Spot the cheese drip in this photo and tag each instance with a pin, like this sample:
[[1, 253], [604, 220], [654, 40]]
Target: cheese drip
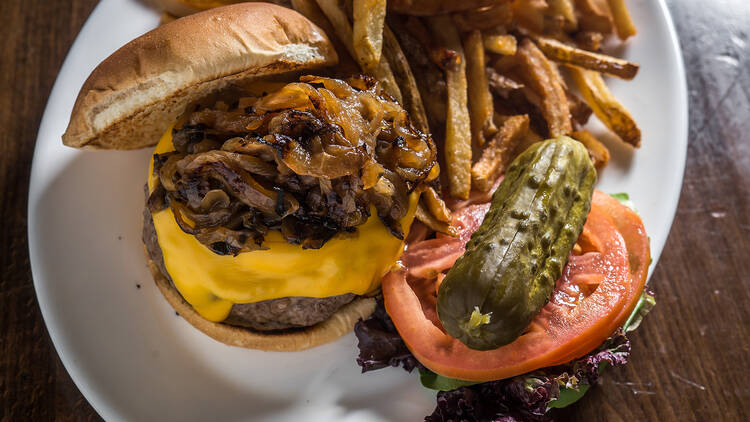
[[212, 283]]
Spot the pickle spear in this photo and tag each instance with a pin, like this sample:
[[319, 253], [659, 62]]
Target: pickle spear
[[513, 260]]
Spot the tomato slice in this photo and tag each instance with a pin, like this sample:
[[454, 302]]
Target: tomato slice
[[593, 297], [630, 226]]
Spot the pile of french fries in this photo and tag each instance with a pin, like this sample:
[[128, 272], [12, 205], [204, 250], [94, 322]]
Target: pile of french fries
[[487, 78]]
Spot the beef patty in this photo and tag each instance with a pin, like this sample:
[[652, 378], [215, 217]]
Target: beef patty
[[275, 314]]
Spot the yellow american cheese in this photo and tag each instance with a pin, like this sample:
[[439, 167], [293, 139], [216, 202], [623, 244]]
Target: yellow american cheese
[[212, 283]]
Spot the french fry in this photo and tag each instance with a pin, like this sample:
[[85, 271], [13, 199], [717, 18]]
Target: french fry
[[430, 79], [498, 152], [501, 84], [554, 26], [594, 16], [505, 64], [423, 214], [564, 53], [334, 11], [369, 17], [501, 44], [412, 100], [310, 10], [566, 9], [439, 54], [530, 14], [606, 107], [589, 40], [499, 14], [530, 139], [544, 79], [166, 17], [624, 25], [597, 151], [480, 98], [435, 7], [457, 129], [580, 112], [435, 205]]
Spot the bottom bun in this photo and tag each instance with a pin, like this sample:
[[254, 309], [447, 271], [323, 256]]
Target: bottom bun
[[334, 327]]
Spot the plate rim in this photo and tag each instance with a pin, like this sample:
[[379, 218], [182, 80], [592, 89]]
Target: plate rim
[[109, 412]]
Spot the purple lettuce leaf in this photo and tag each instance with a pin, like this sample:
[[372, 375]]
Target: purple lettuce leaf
[[528, 397], [380, 345]]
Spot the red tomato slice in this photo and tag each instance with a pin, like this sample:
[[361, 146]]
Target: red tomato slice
[[630, 226], [592, 298]]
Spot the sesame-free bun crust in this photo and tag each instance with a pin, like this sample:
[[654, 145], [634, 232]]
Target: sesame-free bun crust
[[327, 331], [131, 98]]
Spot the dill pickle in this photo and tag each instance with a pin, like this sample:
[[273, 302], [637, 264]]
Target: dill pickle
[[513, 260]]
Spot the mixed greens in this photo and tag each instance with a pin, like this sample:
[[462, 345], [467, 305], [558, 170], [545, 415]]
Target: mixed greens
[[527, 397]]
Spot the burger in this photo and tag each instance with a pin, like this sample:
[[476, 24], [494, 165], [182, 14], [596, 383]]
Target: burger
[[188, 7], [275, 200]]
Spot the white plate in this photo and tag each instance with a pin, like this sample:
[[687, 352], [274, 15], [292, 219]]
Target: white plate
[[134, 359]]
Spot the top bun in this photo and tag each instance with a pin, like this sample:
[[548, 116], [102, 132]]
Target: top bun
[[133, 96]]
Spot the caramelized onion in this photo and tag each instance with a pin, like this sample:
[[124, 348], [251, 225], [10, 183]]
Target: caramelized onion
[[309, 160]]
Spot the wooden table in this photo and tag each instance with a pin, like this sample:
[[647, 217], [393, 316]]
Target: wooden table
[[691, 359]]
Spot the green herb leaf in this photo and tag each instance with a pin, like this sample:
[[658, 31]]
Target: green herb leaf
[[568, 396], [644, 306], [438, 382], [624, 199]]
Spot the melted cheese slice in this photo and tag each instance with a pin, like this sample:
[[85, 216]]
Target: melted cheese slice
[[213, 283]]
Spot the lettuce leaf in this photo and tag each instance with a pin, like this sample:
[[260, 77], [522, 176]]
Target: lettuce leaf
[[380, 345], [530, 396], [624, 199], [438, 382], [527, 397], [643, 307]]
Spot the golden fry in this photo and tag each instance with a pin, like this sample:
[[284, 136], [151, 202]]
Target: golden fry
[[369, 17], [501, 84], [501, 44], [566, 9], [412, 100], [623, 22], [606, 107], [166, 17], [435, 7], [457, 129], [435, 205], [499, 14], [480, 98], [530, 139], [334, 10], [594, 16], [423, 214], [564, 53], [598, 152], [588, 40], [310, 10], [505, 64], [544, 79], [530, 14], [499, 152], [580, 112], [384, 74], [440, 55], [430, 79]]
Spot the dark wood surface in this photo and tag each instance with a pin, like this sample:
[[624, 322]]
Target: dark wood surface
[[691, 359]]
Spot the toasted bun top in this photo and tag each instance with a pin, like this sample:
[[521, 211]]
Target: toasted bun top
[[130, 99]]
